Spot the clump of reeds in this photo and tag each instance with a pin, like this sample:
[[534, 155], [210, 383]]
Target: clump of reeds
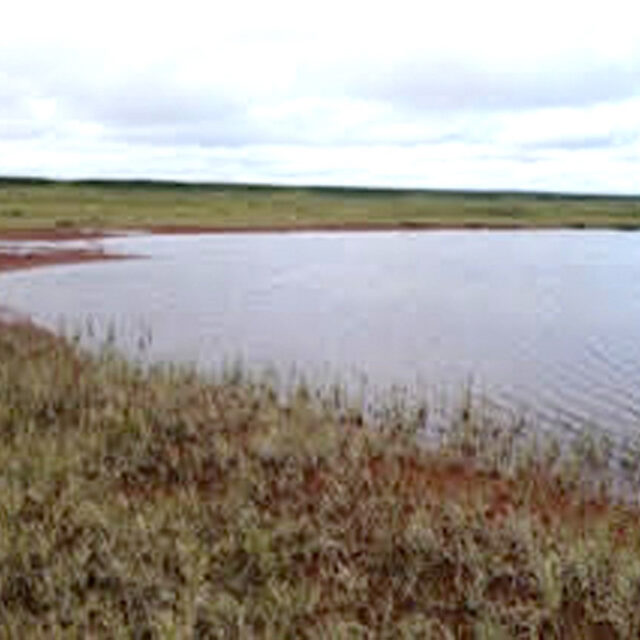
[[153, 502]]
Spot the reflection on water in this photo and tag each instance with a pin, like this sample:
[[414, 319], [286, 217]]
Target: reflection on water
[[549, 320]]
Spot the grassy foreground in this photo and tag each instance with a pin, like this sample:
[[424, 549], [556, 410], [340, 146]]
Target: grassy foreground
[[113, 205], [158, 504]]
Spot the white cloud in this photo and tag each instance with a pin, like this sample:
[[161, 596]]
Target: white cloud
[[477, 95]]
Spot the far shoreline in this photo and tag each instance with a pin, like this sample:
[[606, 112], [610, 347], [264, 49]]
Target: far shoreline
[[51, 210], [12, 260], [57, 234]]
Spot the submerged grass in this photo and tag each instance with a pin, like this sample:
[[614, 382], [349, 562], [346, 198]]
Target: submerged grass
[[64, 206], [155, 503]]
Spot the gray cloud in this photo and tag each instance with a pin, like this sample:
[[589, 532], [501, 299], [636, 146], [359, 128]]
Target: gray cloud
[[607, 141], [21, 130], [142, 100], [450, 85]]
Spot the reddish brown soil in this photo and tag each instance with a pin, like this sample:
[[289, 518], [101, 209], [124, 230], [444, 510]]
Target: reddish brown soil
[[54, 234], [302, 227], [10, 261], [51, 234], [539, 493]]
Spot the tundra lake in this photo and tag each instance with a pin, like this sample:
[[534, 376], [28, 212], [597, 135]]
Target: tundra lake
[[541, 321]]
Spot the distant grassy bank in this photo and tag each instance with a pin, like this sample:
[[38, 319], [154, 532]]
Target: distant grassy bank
[[160, 504], [33, 204]]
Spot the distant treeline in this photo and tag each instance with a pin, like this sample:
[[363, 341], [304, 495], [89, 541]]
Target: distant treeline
[[341, 191]]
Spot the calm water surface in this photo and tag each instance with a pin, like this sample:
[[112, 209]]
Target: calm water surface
[[545, 320]]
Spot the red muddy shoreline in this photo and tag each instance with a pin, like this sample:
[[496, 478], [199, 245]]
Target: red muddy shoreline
[[10, 261], [15, 256], [53, 235]]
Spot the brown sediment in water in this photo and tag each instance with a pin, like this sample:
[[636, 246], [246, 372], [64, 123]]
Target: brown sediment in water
[[18, 256], [12, 260]]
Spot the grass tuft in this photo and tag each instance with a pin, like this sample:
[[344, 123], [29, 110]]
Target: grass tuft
[[161, 504]]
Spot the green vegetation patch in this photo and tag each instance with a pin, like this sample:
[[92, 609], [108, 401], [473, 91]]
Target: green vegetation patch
[[109, 205]]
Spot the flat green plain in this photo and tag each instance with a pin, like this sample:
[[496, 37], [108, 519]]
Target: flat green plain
[[31, 204]]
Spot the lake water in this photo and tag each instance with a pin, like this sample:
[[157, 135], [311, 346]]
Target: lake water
[[544, 320]]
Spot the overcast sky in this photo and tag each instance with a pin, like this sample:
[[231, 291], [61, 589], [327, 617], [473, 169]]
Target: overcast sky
[[457, 94]]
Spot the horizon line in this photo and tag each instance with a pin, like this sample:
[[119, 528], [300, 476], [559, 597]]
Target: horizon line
[[28, 180]]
